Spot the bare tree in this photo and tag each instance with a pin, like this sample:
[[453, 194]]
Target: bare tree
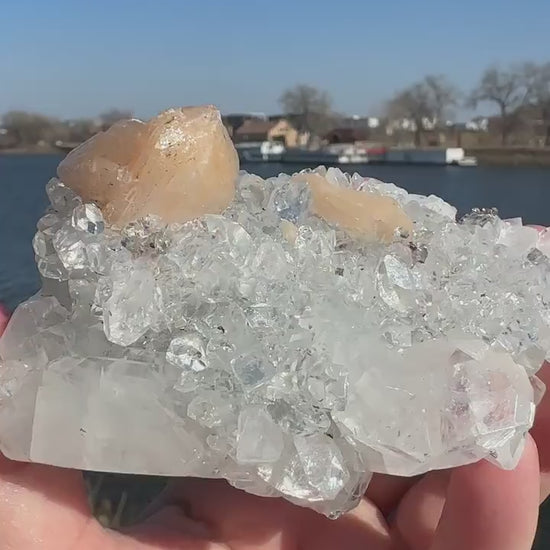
[[27, 128], [108, 118], [506, 88], [309, 107], [537, 81], [81, 129], [443, 96], [427, 102]]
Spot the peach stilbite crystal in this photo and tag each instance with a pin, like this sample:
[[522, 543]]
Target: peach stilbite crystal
[[363, 215], [179, 165]]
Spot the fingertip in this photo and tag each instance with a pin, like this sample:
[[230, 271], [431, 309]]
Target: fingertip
[[8, 466], [4, 316], [386, 491], [415, 520], [488, 508], [541, 432]]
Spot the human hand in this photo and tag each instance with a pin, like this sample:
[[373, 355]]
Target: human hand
[[473, 507]]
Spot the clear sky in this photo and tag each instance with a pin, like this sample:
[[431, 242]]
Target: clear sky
[[71, 58]]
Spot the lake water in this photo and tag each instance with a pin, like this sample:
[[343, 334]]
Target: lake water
[[523, 192], [515, 192]]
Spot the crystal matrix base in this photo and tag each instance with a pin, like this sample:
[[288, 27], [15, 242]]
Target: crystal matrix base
[[274, 349]]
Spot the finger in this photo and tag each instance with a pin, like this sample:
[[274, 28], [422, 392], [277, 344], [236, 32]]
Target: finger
[[419, 511], [247, 522], [231, 515], [42, 507], [488, 508], [167, 529], [386, 491], [46, 508], [541, 429], [4, 316], [541, 433]]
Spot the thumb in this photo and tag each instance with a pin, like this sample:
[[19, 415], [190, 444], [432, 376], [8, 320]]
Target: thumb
[[4, 316], [491, 509]]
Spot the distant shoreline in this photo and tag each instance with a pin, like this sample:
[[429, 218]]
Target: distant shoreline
[[487, 156], [31, 151], [511, 156]]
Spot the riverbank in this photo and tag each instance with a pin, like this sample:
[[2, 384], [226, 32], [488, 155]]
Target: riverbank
[[31, 150], [486, 156], [511, 156]]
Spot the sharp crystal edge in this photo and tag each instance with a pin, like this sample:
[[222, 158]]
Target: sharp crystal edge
[[291, 335]]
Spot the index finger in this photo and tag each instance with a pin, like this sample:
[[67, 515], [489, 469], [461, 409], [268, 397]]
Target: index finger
[[541, 433], [4, 316]]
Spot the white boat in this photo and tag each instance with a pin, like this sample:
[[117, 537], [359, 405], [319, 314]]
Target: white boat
[[467, 161], [261, 151], [432, 156], [349, 154], [331, 155]]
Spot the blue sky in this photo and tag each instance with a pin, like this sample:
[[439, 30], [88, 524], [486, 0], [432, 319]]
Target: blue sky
[[72, 58]]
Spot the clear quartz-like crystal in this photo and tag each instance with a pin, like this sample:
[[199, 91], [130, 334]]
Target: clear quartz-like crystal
[[291, 200], [62, 198], [259, 439], [252, 370], [70, 248], [323, 465], [187, 351], [210, 409], [321, 328], [88, 218]]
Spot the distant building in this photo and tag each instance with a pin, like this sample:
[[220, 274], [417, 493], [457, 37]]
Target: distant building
[[347, 135], [293, 118], [234, 121], [410, 125], [402, 124], [357, 121], [6, 140], [478, 124], [267, 130]]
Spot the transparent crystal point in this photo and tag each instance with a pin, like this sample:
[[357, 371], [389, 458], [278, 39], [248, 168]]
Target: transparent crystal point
[[62, 198], [188, 352], [259, 439], [88, 218]]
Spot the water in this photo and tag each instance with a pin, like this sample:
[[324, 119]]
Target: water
[[22, 202], [515, 192]]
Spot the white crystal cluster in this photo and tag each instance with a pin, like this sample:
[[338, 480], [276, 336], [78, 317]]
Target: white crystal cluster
[[270, 348]]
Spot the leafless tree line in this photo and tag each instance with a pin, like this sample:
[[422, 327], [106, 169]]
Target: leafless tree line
[[520, 94], [24, 128]]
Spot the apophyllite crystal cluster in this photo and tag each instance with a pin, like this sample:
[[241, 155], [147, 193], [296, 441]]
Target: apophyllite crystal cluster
[[292, 335]]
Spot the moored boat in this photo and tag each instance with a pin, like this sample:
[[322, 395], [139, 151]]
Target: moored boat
[[431, 156], [262, 151]]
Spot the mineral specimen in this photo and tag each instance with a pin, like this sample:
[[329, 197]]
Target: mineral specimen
[[178, 165], [294, 339]]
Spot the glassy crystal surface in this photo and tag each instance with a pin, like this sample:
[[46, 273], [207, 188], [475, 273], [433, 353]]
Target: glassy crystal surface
[[281, 351], [88, 218]]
